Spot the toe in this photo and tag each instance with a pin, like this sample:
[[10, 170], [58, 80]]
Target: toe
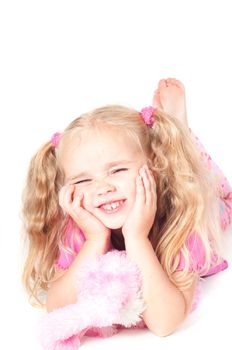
[[171, 81], [168, 81], [179, 84], [162, 83]]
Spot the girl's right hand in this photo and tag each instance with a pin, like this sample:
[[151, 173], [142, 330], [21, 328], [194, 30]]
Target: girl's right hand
[[92, 227]]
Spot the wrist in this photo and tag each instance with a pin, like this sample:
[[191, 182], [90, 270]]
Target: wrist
[[137, 234], [136, 243], [132, 239], [100, 246]]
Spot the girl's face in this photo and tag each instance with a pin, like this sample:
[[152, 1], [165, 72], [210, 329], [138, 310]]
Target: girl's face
[[103, 166]]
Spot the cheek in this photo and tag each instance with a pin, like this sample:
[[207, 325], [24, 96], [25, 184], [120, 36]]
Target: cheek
[[87, 202], [129, 188], [133, 191]]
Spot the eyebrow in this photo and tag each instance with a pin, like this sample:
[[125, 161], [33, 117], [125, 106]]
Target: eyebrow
[[107, 166]]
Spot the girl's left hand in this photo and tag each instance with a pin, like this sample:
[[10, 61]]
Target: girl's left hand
[[142, 215]]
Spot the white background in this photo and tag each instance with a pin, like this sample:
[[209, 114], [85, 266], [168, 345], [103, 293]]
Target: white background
[[62, 58]]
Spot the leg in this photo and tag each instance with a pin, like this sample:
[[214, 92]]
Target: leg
[[223, 186], [170, 97]]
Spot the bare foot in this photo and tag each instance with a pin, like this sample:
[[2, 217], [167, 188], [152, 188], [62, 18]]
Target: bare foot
[[170, 97]]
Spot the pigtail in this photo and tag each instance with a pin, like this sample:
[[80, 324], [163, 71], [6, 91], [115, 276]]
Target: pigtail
[[184, 192], [42, 219]]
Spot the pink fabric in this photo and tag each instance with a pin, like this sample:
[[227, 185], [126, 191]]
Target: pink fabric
[[224, 188], [197, 257], [97, 313], [73, 241], [194, 242]]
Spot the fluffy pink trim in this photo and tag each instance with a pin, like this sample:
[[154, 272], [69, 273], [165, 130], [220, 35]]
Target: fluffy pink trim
[[108, 294]]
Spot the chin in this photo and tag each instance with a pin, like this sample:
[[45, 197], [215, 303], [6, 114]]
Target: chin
[[113, 225], [112, 221]]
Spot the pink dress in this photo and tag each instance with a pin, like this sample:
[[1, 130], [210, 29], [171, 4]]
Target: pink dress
[[194, 243]]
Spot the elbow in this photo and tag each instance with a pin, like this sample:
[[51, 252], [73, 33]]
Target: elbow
[[162, 332], [53, 300], [164, 326], [58, 298], [62, 292], [51, 303], [49, 307], [56, 303]]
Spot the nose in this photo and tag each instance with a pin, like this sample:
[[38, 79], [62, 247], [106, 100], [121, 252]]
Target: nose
[[103, 187]]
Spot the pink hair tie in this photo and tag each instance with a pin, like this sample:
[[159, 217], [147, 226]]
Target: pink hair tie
[[55, 139], [147, 114]]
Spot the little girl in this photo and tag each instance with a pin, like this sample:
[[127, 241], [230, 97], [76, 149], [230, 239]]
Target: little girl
[[134, 181]]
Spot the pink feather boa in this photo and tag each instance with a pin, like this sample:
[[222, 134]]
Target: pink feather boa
[[109, 298]]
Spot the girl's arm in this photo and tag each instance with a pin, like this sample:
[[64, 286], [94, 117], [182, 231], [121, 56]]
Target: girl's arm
[[167, 307], [63, 290]]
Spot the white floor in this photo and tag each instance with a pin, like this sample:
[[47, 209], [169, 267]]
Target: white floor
[[209, 325]]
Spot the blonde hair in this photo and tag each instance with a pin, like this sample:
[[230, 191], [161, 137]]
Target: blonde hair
[[185, 190]]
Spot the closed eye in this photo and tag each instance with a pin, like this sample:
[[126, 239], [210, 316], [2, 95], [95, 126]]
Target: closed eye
[[113, 172], [81, 181], [118, 170]]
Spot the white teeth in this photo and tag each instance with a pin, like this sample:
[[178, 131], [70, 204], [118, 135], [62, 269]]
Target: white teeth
[[115, 205], [111, 206]]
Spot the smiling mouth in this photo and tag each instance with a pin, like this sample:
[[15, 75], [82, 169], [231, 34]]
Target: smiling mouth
[[113, 207]]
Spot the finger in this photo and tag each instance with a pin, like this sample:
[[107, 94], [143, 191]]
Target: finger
[[140, 193], [77, 202], [146, 182], [61, 196], [76, 210], [67, 197], [153, 192], [149, 185], [152, 179], [82, 216]]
